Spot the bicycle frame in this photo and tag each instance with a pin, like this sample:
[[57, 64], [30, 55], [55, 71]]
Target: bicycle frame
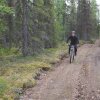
[[72, 53]]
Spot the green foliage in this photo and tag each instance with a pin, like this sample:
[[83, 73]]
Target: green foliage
[[59, 12], [42, 17], [39, 2], [7, 51], [3, 26], [94, 8], [4, 9], [3, 86], [94, 18], [59, 31]]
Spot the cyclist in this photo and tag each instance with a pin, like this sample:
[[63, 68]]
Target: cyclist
[[73, 41]]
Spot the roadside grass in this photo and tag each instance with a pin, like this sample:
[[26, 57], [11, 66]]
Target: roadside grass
[[92, 41], [17, 72]]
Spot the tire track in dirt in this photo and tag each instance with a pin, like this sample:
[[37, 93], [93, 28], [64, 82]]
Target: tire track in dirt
[[87, 88]]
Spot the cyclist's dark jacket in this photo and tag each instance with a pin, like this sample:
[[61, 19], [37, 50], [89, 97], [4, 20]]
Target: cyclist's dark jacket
[[73, 40]]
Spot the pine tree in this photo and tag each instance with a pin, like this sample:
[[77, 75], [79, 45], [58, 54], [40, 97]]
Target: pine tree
[[94, 18], [84, 19], [71, 15]]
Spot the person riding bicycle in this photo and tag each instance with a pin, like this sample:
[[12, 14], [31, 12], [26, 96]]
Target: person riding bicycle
[[73, 41]]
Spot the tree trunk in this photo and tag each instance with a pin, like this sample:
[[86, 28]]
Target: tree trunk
[[25, 32]]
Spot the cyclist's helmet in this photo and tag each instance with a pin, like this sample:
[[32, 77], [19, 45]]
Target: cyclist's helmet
[[73, 33]]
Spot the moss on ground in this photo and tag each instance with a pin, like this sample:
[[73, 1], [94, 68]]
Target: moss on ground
[[18, 73]]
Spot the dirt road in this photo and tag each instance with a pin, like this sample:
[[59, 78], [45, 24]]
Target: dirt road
[[77, 81]]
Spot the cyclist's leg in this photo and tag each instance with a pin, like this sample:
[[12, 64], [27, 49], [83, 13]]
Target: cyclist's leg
[[69, 49], [75, 50]]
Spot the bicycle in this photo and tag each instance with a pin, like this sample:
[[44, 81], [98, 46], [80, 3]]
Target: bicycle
[[72, 53]]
